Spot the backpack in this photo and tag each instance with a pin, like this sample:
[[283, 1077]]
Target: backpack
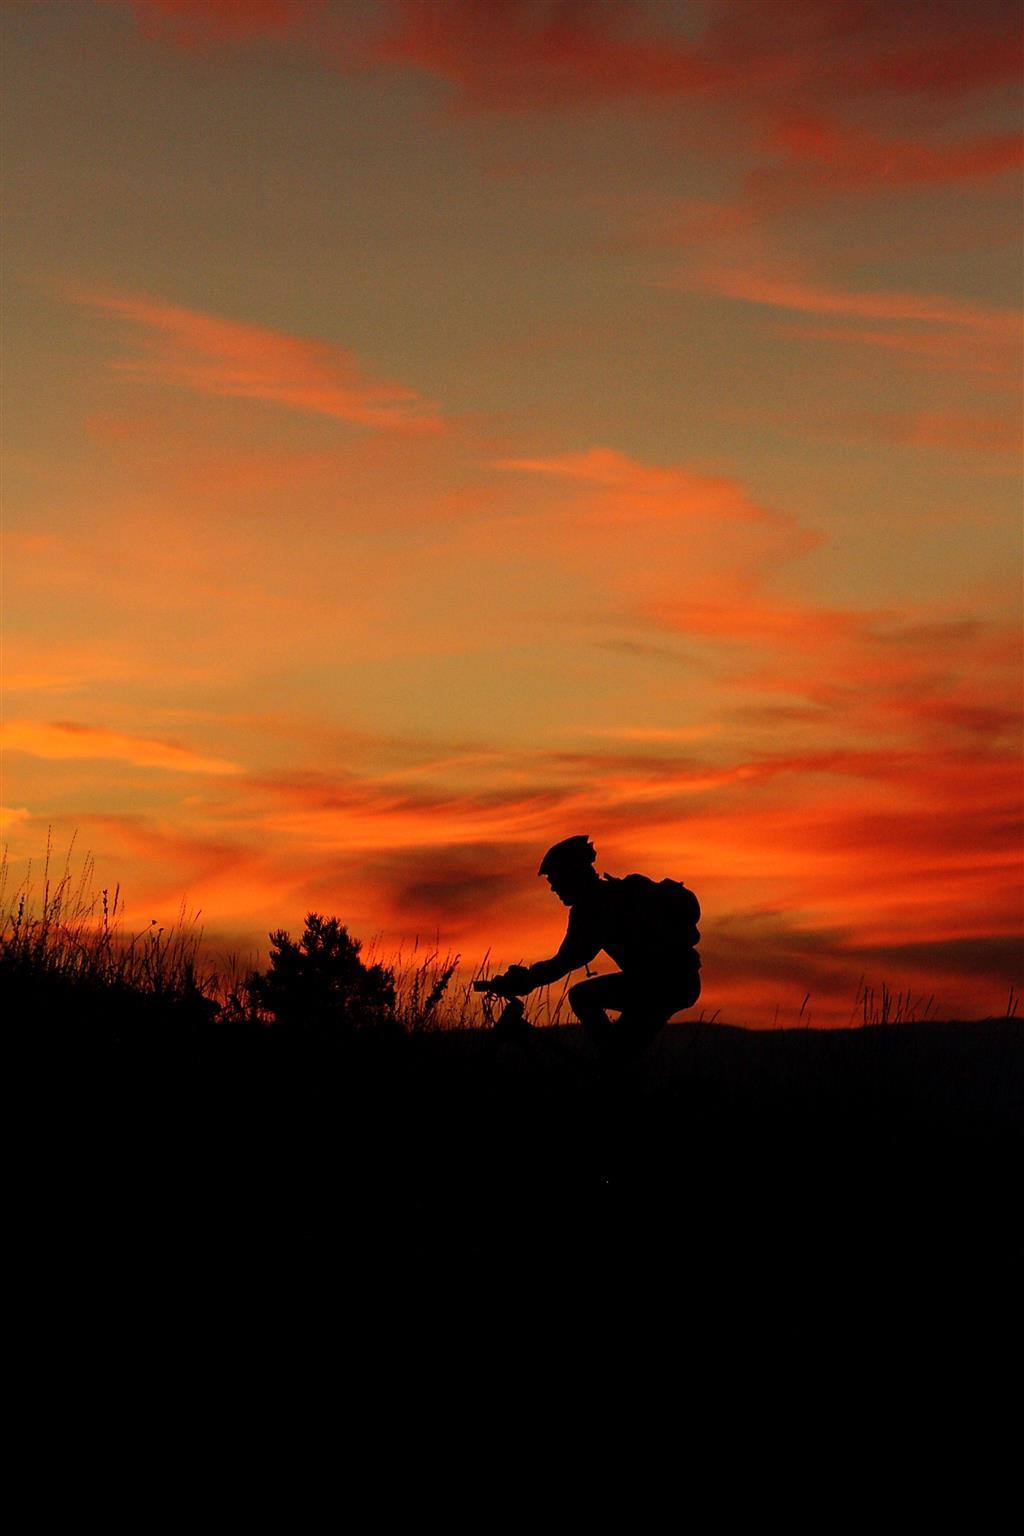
[[666, 907], [680, 907]]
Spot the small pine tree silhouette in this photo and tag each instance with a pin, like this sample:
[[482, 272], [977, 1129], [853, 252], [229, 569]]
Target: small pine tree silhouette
[[320, 983]]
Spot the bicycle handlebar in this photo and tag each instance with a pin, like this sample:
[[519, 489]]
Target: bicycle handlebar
[[492, 989]]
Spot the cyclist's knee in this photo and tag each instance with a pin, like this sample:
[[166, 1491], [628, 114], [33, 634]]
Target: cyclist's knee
[[578, 1002]]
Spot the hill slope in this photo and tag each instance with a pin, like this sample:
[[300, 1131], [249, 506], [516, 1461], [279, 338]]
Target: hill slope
[[249, 1148]]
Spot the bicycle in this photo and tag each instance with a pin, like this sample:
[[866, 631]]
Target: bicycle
[[511, 1023]]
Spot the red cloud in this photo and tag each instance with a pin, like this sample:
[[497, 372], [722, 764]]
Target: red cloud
[[776, 70], [822, 155], [780, 67], [520, 53], [213, 356], [822, 49], [527, 53], [515, 54]]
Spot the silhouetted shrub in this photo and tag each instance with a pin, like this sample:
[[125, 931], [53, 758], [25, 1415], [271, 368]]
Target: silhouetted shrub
[[320, 984]]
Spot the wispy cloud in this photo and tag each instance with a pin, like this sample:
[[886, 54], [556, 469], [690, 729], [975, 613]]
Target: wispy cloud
[[935, 677], [209, 355], [635, 489], [610, 489], [752, 286], [793, 626], [947, 333], [69, 739]]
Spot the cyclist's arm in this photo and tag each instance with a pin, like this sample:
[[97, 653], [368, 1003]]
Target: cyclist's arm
[[578, 948]]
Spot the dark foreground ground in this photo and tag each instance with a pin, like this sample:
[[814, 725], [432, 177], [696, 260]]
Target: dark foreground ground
[[724, 1153], [752, 1259]]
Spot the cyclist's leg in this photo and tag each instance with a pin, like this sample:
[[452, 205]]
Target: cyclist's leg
[[646, 1010], [634, 1030], [589, 1000]]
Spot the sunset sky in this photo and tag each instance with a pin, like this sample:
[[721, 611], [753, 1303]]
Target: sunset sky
[[437, 428]]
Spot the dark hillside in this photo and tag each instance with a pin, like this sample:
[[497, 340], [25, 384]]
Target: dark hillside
[[234, 1148]]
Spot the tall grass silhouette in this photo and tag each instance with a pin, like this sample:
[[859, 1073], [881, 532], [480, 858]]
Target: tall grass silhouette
[[69, 939], [67, 948]]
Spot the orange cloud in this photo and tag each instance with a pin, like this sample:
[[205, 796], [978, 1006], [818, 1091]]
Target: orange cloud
[[631, 490], [657, 733], [228, 358], [956, 334], [654, 526], [67, 739], [793, 627], [33, 663], [952, 680], [752, 286]]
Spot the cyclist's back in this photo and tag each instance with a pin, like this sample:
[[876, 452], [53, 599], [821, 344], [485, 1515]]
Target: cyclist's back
[[630, 919]]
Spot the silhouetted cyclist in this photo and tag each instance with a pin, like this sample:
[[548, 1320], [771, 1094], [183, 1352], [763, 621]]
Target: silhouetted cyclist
[[649, 929]]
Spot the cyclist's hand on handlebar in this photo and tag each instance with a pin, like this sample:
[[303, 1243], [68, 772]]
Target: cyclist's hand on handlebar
[[516, 981]]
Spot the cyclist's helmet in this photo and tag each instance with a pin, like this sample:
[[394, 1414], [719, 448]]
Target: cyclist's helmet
[[570, 853]]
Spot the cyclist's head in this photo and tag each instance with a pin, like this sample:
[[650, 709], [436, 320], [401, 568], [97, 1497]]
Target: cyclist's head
[[569, 867]]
